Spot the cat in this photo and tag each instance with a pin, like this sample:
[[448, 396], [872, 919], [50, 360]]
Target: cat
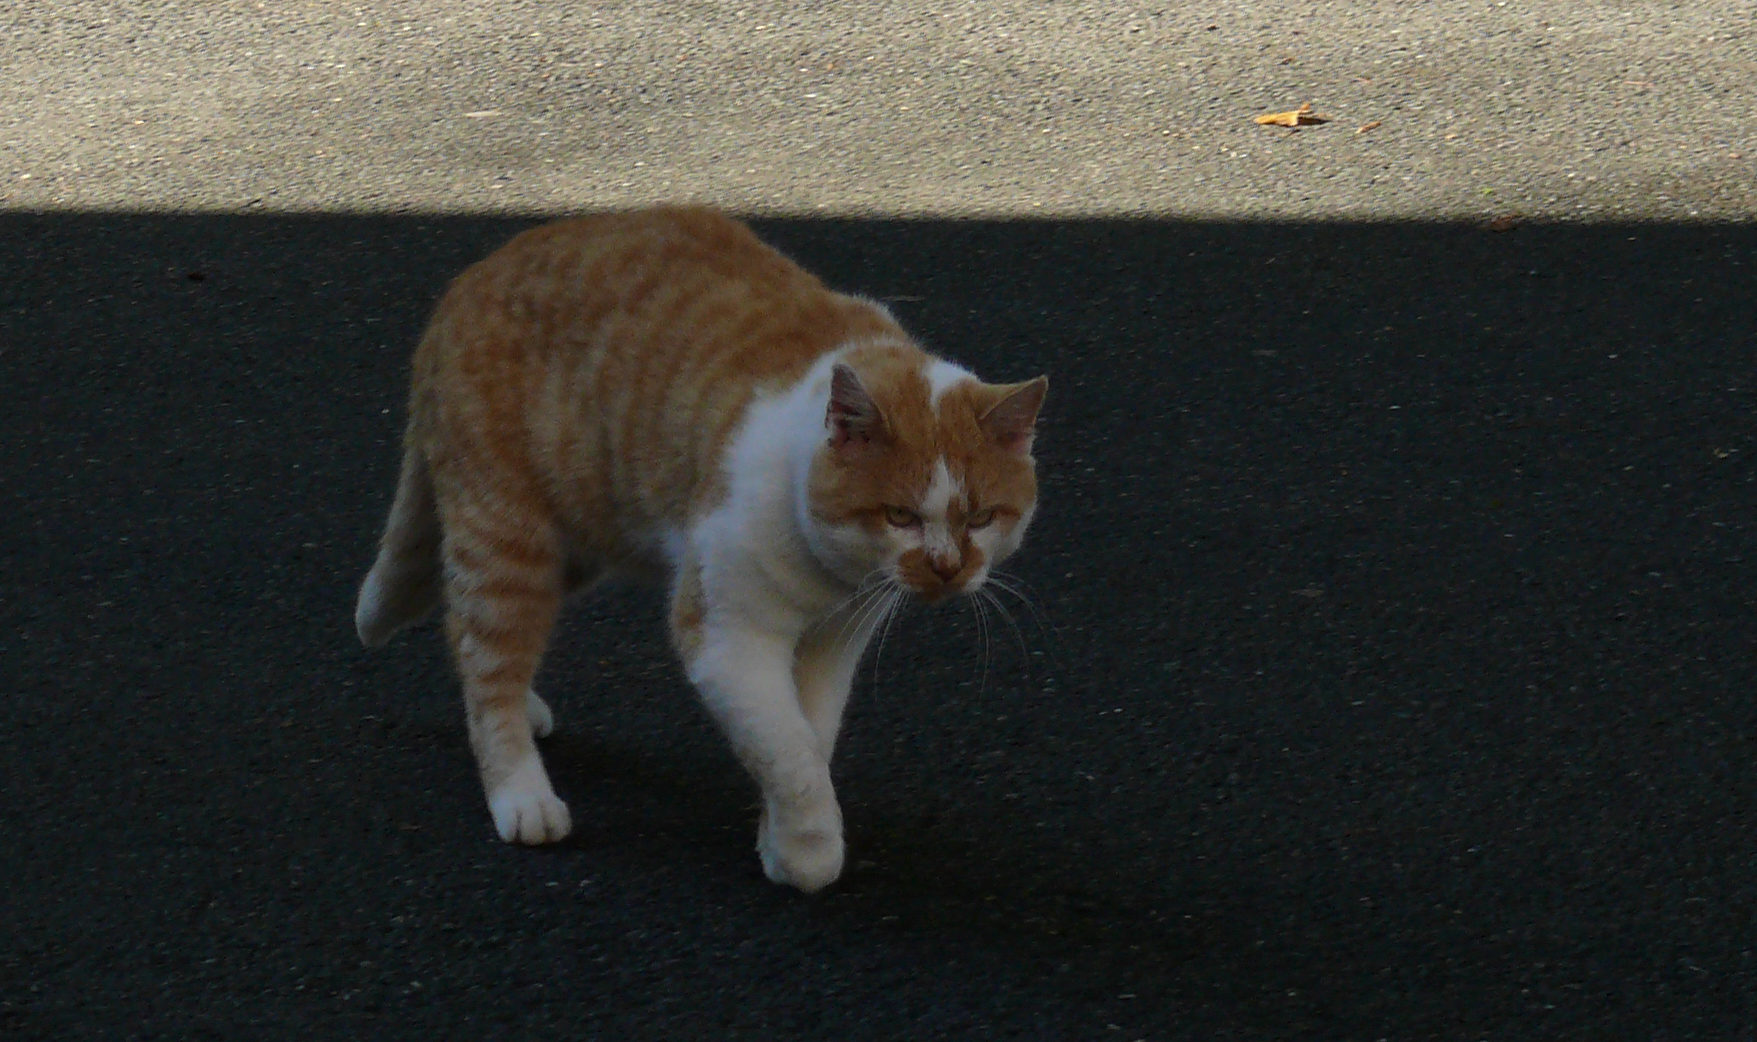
[[659, 394]]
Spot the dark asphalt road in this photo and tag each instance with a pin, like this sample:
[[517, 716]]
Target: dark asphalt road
[[1398, 679]]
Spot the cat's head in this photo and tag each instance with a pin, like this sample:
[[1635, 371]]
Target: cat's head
[[925, 473]]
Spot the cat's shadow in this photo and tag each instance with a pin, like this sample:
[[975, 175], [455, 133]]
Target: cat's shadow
[[625, 797], [911, 871]]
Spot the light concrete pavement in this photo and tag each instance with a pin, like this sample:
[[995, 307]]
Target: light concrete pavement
[[1551, 110]]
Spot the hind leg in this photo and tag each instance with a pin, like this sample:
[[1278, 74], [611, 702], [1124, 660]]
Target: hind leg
[[539, 714], [503, 590], [576, 577]]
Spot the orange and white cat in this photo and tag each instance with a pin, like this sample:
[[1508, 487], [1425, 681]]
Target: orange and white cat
[[659, 394]]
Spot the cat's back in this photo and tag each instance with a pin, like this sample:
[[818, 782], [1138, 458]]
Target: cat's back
[[559, 270], [622, 349]]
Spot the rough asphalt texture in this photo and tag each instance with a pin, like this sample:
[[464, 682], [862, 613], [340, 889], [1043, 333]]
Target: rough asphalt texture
[[1394, 676]]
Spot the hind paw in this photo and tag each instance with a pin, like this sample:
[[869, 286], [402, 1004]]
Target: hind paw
[[537, 712], [526, 809]]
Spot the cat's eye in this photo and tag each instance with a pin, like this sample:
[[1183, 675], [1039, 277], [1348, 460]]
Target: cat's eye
[[902, 518], [980, 519]]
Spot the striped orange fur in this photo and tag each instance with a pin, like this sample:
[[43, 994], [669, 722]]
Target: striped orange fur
[[659, 394]]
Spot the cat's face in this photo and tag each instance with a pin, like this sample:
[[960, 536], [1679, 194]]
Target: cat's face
[[925, 476]]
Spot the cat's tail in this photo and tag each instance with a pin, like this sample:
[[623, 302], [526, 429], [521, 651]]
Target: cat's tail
[[404, 584]]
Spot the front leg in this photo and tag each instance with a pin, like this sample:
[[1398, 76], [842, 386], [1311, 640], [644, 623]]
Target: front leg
[[745, 677], [825, 664]]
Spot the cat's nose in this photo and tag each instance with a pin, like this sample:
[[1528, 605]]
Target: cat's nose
[[945, 567]]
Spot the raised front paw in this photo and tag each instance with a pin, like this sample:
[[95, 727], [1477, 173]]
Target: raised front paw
[[526, 809], [804, 848]]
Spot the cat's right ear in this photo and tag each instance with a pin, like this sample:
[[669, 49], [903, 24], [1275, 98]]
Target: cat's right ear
[[853, 417], [1012, 419]]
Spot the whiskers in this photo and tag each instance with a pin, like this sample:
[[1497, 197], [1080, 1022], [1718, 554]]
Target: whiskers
[[983, 598], [879, 600], [977, 606], [872, 605], [898, 596]]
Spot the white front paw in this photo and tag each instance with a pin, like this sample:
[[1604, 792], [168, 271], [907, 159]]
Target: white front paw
[[526, 809], [802, 848]]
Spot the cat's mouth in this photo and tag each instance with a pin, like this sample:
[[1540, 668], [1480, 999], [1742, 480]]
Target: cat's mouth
[[935, 594], [935, 579]]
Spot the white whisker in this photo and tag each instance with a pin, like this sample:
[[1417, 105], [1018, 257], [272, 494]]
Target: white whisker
[[1018, 634], [981, 614], [1025, 595], [870, 610], [897, 597], [863, 597], [861, 589]]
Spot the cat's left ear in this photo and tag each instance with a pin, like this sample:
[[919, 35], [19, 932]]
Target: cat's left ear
[[1011, 422]]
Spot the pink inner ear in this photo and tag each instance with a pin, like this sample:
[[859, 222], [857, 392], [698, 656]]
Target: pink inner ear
[[852, 415], [844, 434]]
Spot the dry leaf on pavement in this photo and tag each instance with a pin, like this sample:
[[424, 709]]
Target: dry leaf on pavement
[[1300, 117]]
